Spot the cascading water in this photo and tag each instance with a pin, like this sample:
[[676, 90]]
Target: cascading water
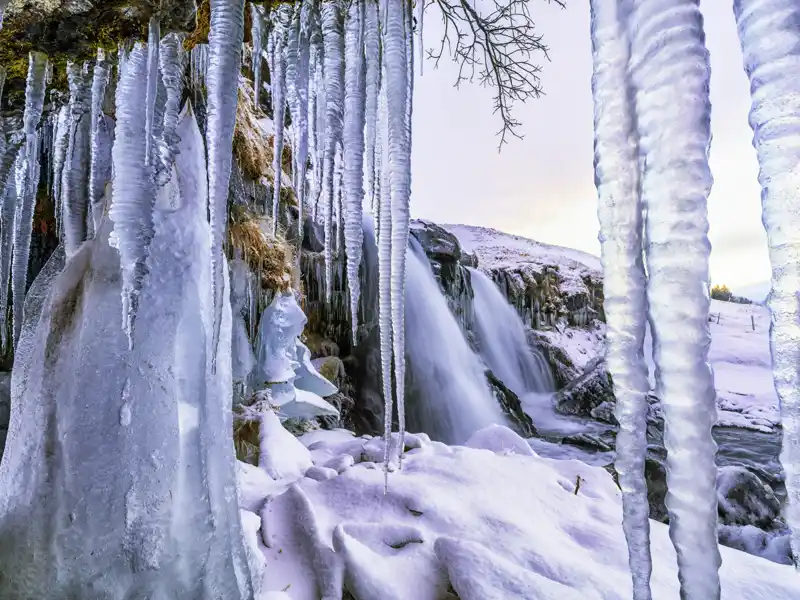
[[503, 343], [449, 398]]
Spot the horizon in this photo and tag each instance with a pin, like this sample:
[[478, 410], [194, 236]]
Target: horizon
[[544, 190]]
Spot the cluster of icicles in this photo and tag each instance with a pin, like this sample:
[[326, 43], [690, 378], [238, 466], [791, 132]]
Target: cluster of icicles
[[652, 134], [343, 69]]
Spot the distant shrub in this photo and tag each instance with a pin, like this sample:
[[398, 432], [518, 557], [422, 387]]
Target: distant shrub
[[723, 293]]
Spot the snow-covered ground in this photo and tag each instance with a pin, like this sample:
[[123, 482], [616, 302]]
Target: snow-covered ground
[[483, 523]]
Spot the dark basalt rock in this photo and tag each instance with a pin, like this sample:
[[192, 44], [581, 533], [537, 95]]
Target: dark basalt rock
[[586, 393], [512, 406]]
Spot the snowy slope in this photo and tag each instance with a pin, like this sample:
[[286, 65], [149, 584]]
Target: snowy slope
[[496, 249], [742, 366], [489, 525]]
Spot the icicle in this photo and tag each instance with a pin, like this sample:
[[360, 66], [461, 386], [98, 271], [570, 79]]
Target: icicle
[[291, 50], [372, 55], [11, 157], [334, 101], [222, 80], [338, 172], [3, 74], [153, 40], [60, 146], [421, 48], [23, 220], [312, 127], [620, 215], [75, 173], [282, 17], [133, 193], [171, 67], [770, 39], [397, 82], [301, 122], [98, 167], [385, 284], [321, 131], [667, 38], [353, 141], [257, 33]]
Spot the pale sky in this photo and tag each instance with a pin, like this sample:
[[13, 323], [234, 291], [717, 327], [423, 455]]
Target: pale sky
[[542, 187]]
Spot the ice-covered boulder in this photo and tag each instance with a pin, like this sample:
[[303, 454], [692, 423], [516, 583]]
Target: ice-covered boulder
[[308, 378], [743, 499], [501, 440]]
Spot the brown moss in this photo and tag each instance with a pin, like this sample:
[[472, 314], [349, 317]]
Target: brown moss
[[202, 26], [264, 254], [251, 148]]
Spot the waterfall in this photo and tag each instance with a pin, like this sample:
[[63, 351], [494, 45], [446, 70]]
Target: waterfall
[[503, 343], [448, 396], [504, 347]]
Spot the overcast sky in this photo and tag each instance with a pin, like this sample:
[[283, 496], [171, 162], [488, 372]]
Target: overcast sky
[[542, 187]]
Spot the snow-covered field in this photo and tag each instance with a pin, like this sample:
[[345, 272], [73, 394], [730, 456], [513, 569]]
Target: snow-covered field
[[499, 523]]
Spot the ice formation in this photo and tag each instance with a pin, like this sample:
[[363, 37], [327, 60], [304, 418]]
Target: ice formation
[[153, 41], [257, 33], [353, 141], [75, 182], [769, 32], [28, 183], [281, 17], [222, 82], [100, 163], [620, 215]]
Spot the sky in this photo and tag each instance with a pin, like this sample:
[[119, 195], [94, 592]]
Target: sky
[[542, 187]]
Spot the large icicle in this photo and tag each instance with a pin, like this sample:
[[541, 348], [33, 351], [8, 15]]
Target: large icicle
[[98, 167], [222, 81], [398, 75], [7, 213], [670, 73], [769, 31], [153, 41], [60, 145], [385, 284], [334, 101], [133, 192], [23, 220], [171, 67], [282, 18], [420, 22], [292, 49], [301, 122], [353, 140], [616, 159], [257, 33], [75, 174], [372, 55]]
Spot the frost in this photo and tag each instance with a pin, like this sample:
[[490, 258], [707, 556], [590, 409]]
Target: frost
[[770, 40], [624, 301], [667, 38]]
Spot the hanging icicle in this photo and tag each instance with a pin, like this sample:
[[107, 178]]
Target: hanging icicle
[[99, 167], [29, 176], [333, 41], [171, 67], [770, 39], [12, 157], [668, 37], [372, 56], [153, 41], [353, 136], [301, 121], [222, 82], [60, 145], [620, 215], [420, 21], [257, 33], [281, 19], [75, 174], [398, 74]]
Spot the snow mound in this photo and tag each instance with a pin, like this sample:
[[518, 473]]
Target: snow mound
[[470, 522]]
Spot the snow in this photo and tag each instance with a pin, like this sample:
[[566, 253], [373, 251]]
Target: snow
[[498, 250], [450, 518]]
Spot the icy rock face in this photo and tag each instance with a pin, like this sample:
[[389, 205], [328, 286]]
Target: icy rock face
[[162, 514]]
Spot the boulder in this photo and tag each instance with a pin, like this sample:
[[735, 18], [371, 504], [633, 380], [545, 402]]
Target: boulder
[[512, 407], [586, 393], [743, 499]]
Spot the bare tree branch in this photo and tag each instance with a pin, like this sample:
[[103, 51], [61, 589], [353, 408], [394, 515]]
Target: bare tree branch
[[494, 42]]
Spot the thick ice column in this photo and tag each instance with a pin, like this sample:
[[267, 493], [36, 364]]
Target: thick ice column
[[769, 31], [670, 73], [616, 162], [99, 167]]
